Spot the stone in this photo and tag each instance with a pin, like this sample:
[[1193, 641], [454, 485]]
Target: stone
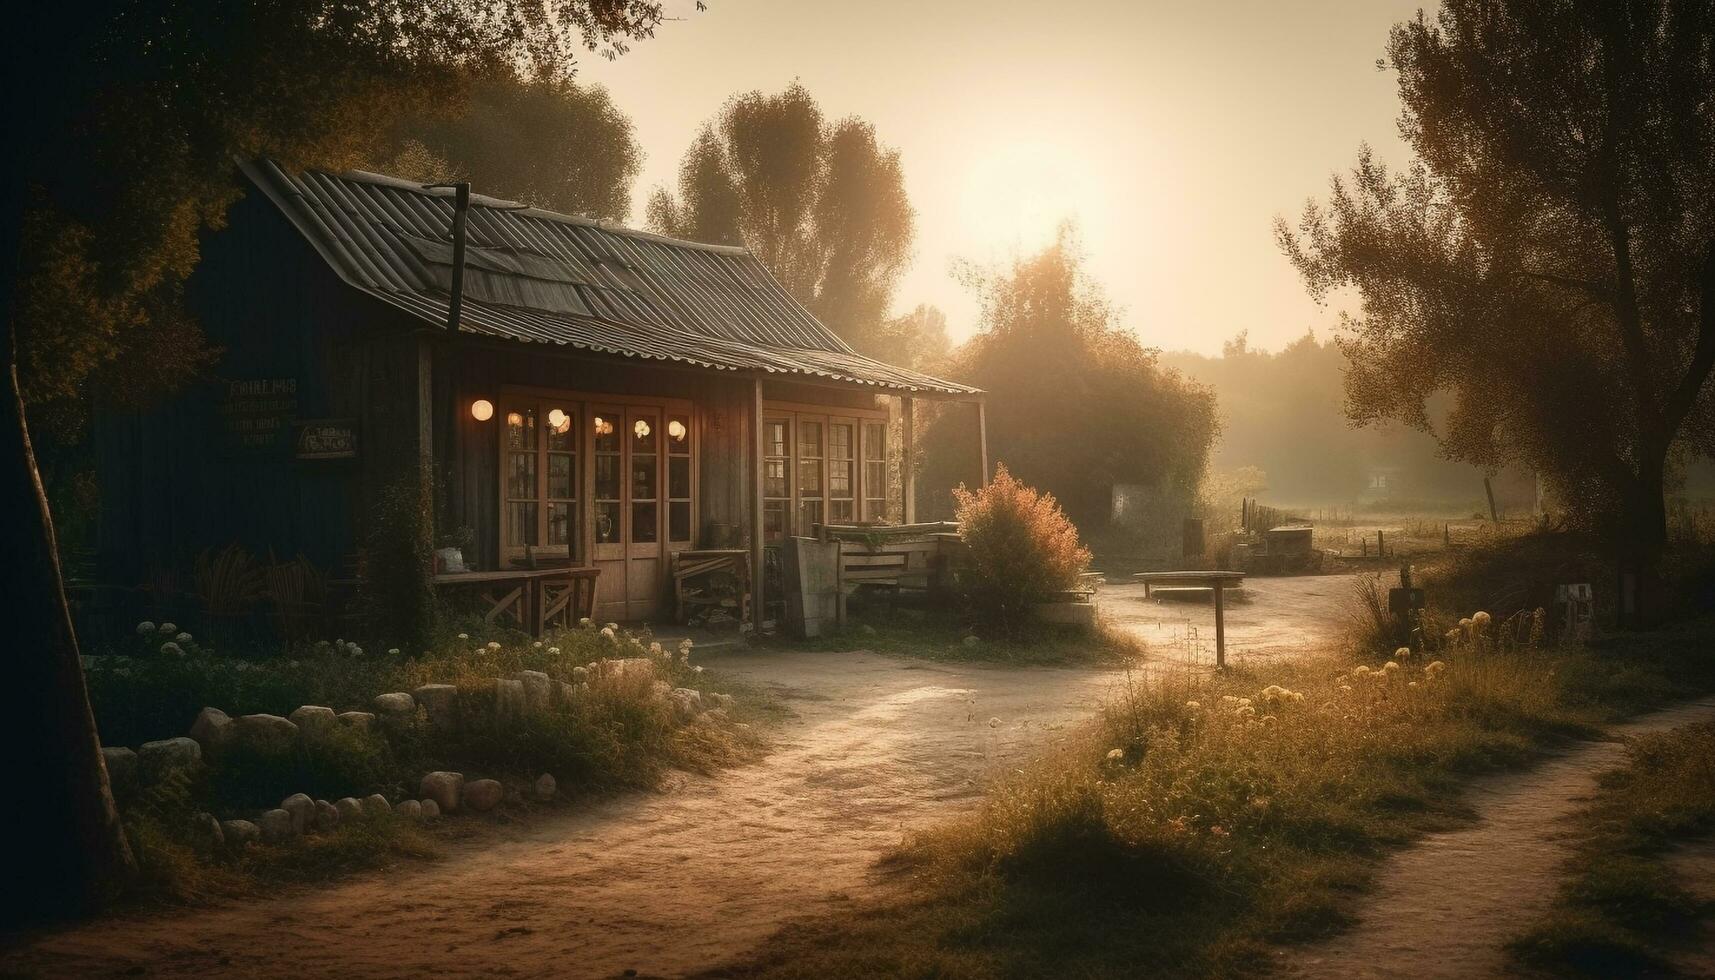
[[276, 825], [206, 835], [395, 705], [538, 687], [509, 701], [268, 734], [156, 759], [443, 788], [431, 809], [624, 667], [713, 716], [482, 794], [361, 720], [441, 703], [314, 720], [546, 786], [720, 700], [121, 765], [970, 641], [409, 809], [659, 690], [303, 811], [237, 833], [567, 693], [376, 803], [327, 815], [687, 703], [211, 728], [349, 808]]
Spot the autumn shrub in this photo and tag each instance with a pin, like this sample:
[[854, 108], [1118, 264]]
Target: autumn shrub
[[1020, 549]]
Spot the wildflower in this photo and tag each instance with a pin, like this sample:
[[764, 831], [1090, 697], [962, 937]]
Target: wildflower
[[685, 645], [1411, 684], [608, 634], [169, 628], [554, 651], [1245, 711], [1361, 669], [356, 650], [613, 626], [1194, 706], [1390, 666], [493, 647], [145, 627], [1297, 696], [580, 672], [1345, 688], [656, 651], [393, 651], [1229, 699], [182, 638], [994, 722], [1435, 667], [1268, 720], [1115, 755], [1403, 653], [585, 622], [1466, 622], [698, 668], [1218, 831], [1480, 619], [172, 649], [464, 636], [537, 645]]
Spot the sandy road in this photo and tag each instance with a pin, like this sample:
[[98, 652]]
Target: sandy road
[[661, 883], [1268, 619]]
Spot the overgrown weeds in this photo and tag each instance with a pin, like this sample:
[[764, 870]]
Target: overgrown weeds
[[945, 635]]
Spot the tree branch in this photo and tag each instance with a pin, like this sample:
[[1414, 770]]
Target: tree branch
[[1684, 395]]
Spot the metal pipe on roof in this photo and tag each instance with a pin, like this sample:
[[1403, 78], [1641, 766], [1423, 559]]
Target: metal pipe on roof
[[461, 206]]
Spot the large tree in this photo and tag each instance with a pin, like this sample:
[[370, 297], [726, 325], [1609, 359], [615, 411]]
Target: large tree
[[823, 205], [545, 141], [125, 118], [1076, 403], [1549, 256]]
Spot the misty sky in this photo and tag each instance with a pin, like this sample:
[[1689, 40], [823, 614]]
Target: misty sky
[[1172, 133]]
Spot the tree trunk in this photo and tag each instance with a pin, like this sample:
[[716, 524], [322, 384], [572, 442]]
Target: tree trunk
[[1643, 546]]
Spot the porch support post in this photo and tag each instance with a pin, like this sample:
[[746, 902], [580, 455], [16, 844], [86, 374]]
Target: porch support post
[[908, 460], [983, 436], [756, 489]]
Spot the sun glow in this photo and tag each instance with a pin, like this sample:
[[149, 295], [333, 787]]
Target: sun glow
[[1017, 195]]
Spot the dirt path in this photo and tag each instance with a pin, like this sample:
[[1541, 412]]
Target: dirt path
[[658, 883], [1445, 907], [1268, 619]]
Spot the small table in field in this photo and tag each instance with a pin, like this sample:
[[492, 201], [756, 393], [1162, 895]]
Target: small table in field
[[534, 597], [1215, 580]]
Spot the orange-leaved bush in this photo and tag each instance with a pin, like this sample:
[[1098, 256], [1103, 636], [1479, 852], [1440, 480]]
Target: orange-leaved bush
[[1020, 548]]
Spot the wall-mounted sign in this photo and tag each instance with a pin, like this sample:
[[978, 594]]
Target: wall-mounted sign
[[256, 414], [327, 439]]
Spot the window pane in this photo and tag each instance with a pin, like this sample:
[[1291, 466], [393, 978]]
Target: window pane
[[774, 480], [560, 524], [839, 478], [839, 441], [607, 523], [679, 434], [520, 524], [560, 476], [809, 439], [521, 475], [643, 520], [679, 520], [775, 443], [875, 479], [679, 476], [606, 432], [810, 477], [643, 477], [521, 428], [773, 519], [561, 437], [875, 440], [841, 511], [607, 477], [643, 434]]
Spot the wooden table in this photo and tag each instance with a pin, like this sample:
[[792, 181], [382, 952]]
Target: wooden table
[[1215, 580], [534, 597]]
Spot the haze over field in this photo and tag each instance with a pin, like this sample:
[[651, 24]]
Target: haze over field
[[1199, 138]]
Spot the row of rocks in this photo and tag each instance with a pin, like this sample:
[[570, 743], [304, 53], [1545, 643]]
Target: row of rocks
[[450, 791], [298, 814]]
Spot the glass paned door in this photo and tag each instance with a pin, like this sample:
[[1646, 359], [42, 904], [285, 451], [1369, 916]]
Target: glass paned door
[[875, 471], [678, 479], [842, 482], [776, 479], [643, 433], [605, 447]]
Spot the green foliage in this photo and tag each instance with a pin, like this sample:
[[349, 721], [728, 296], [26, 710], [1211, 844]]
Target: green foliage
[[823, 206], [1622, 906], [344, 761], [1549, 257], [939, 634], [543, 141], [1075, 403], [398, 584], [1019, 549]]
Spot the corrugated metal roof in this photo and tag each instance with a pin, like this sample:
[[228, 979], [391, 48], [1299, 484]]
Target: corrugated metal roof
[[540, 277]]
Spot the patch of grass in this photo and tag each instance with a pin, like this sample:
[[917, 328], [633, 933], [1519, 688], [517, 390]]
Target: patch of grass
[[1205, 819], [945, 635], [1621, 908]]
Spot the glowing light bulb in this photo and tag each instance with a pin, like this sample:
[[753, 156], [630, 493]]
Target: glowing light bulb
[[676, 429], [514, 419], [641, 428], [558, 421], [482, 410]]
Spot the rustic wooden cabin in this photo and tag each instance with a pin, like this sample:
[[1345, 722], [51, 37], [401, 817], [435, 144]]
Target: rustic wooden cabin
[[575, 392]]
